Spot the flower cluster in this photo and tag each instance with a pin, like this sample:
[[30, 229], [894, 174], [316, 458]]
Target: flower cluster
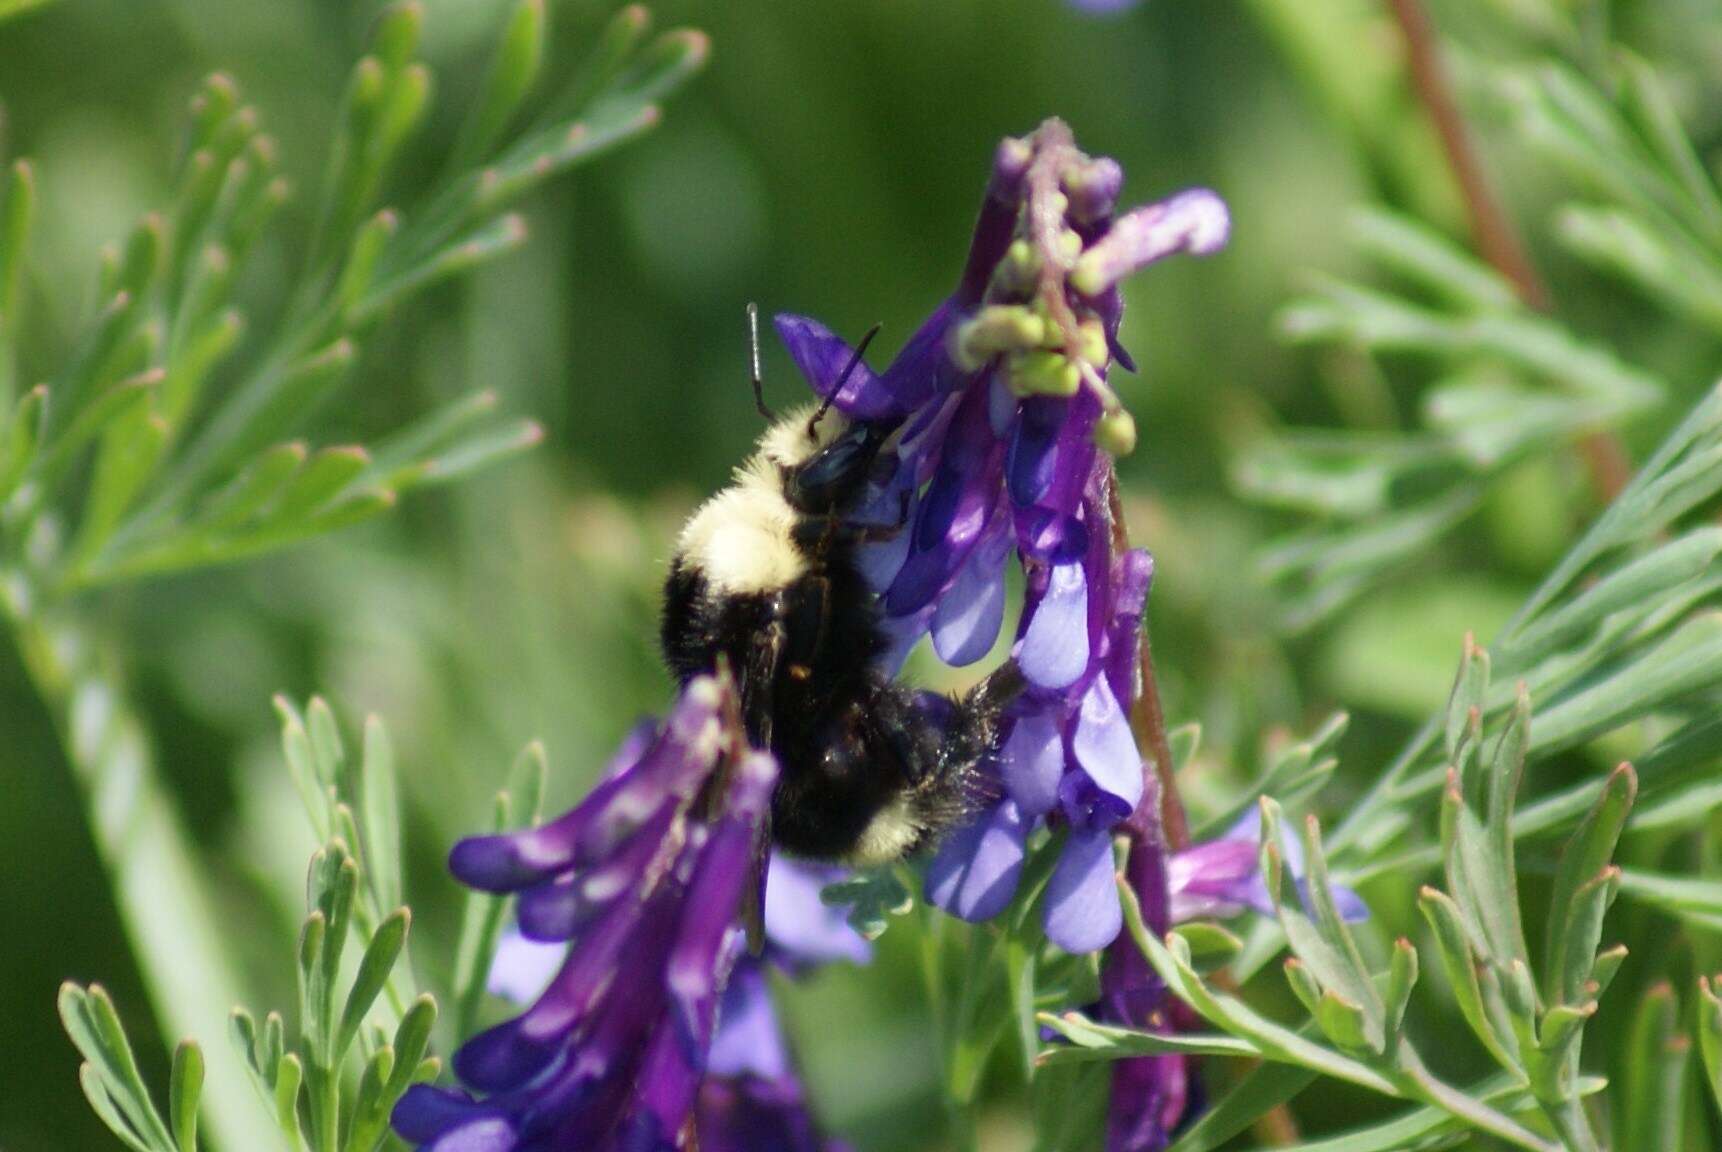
[[1008, 428], [647, 876]]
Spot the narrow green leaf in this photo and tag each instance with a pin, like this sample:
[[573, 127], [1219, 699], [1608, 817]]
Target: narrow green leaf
[[1303, 985], [185, 1089], [1586, 853], [1687, 661], [102, 1104], [381, 814], [513, 72], [1645, 580], [1259, 1092], [1402, 972], [126, 461], [1648, 1083], [1576, 957], [324, 478], [1092, 1041], [412, 1037], [1466, 697], [1453, 945], [379, 960], [1409, 247], [287, 1084], [17, 216], [22, 436], [1710, 1035]]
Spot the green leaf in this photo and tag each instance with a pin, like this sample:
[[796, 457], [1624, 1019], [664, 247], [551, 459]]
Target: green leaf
[[1688, 661], [380, 807], [1452, 944], [1259, 1092], [1710, 1035], [127, 459], [1586, 853], [1092, 1041], [17, 218], [374, 969], [1406, 245], [1295, 773], [513, 72], [185, 1088], [22, 435], [102, 1104], [1651, 1077]]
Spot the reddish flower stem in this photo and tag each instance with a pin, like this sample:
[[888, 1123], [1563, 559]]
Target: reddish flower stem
[[1492, 231]]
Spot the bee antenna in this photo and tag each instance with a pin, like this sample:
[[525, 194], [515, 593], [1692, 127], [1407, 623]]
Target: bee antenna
[[753, 361], [843, 377]]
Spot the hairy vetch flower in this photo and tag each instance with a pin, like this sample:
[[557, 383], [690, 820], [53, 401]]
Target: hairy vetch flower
[[1008, 423], [646, 877]]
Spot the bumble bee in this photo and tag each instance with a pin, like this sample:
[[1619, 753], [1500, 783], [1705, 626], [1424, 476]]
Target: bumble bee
[[766, 577]]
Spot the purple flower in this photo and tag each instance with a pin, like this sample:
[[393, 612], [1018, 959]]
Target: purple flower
[[1222, 878], [1008, 429], [1005, 411], [612, 1053]]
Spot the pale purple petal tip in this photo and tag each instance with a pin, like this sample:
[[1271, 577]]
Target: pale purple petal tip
[[799, 925], [749, 1040], [1105, 747], [1053, 652], [1032, 762], [976, 870], [1083, 912], [1195, 221], [522, 968], [967, 618]]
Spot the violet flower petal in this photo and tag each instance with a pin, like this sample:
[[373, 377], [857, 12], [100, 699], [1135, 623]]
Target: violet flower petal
[[1053, 651], [1032, 761], [522, 968], [1105, 747], [821, 355], [1083, 913], [968, 617], [975, 873], [749, 1040], [800, 927]]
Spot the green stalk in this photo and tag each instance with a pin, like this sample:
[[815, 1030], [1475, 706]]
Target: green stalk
[[153, 869]]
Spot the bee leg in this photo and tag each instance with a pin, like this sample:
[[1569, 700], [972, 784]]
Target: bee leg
[[759, 682]]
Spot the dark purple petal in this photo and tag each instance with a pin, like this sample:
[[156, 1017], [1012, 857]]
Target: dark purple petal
[[1104, 746], [921, 369], [975, 873], [822, 355], [670, 769], [1031, 462], [425, 1112], [560, 908], [696, 971], [749, 1114], [800, 927], [1083, 913], [1032, 761], [997, 222], [1149, 1096], [1053, 651]]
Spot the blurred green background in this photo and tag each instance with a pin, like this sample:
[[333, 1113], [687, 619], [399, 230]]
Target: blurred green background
[[829, 161]]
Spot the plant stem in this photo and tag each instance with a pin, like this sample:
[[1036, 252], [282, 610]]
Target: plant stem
[[1493, 231], [152, 866]]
